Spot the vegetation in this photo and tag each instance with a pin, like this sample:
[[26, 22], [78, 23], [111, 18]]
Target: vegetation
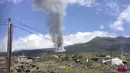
[[62, 63], [71, 70]]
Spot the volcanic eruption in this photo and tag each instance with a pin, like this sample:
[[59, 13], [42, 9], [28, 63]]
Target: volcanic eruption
[[55, 9]]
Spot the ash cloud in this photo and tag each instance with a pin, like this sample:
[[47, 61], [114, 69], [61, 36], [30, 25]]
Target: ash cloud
[[55, 9], [56, 12]]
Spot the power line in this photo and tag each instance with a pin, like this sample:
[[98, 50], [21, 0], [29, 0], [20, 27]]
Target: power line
[[5, 20], [23, 29], [27, 26], [3, 24], [30, 32]]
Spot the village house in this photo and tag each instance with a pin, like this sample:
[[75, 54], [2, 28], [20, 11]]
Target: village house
[[23, 58]]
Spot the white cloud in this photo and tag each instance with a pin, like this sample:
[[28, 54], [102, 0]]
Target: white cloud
[[3, 44], [112, 8], [13, 1], [35, 41], [83, 37], [123, 17], [102, 27], [118, 25], [87, 3]]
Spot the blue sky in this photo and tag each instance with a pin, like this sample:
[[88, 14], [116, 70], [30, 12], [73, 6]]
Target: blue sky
[[79, 18]]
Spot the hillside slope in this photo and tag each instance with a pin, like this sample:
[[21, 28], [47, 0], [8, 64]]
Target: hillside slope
[[98, 44], [102, 44]]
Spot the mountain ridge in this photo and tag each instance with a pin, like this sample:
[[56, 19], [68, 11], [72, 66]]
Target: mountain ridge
[[97, 44]]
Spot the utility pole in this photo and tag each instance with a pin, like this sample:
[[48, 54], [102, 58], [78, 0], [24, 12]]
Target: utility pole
[[9, 45]]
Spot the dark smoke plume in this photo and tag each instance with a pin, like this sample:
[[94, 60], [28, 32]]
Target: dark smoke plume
[[56, 12]]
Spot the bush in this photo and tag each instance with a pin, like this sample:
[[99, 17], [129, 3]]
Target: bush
[[71, 70]]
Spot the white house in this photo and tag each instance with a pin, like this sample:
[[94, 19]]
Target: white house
[[114, 61]]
